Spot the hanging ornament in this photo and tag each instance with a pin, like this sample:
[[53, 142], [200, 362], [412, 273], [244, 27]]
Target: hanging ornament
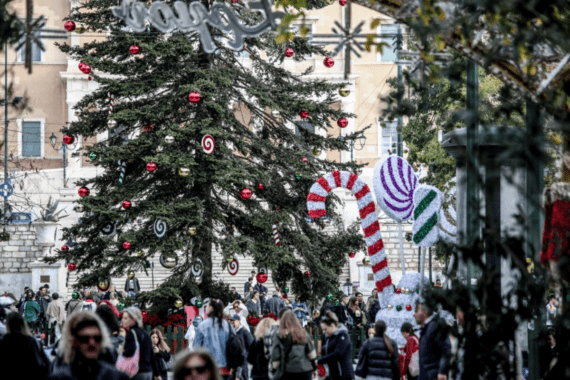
[[343, 92], [409, 307], [68, 139], [330, 296], [317, 151], [178, 304], [328, 61], [260, 186], [183, 172], [305, 160], [103, 285], [366, 261], [389, 307], [289, 52], [89, 78], [169, 139], [336, 303], [64, 248], [307, 273], [109, 229], [191, 231], [140, 253], [127, 245], [197, 268], [83, 191], [92, 156], [194, 97], [261, 277], [427, 203], [285, 290], [80, 29], [146, 264], [198, 280], [342, 122], [69, 26], [246, 193], [316, 314], [159, 149], [148, 128], [151, 166], [342, 2], [168, 261], [208, 144], [131, 274], [398, 290], [123, 166], [298, 175], [126, 204], [418, 291], [121, 306], [276, 234], [71, 266], [199, 303], [134, 49], [352, 254], [85, 68], [233, 267], [304, 114], [398, 307], [159, 228], [229, 259]]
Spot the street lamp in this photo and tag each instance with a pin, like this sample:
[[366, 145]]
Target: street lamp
[[361, 142], [347, 287], [53, 141]]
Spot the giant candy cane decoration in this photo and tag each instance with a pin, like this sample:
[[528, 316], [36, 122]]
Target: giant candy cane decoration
[[316, 205]]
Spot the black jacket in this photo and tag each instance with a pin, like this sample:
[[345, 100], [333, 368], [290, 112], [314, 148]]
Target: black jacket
[[160, 356], [147, 361], [357, 320], [246, 287], [137, 286], [372, 311], [105, 371], [342, 313], [257, 359], [374, 359], [22, 358], [336, 352], [434, 348]]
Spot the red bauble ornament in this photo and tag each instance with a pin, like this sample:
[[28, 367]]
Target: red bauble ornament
[[352, 254], [261, 278], [85, 68], [89, 78], [398, 291], [127, 245], [289, 52], [126, 204], [409, 307], [342, 2], [194, 97], [69, 26], [307, 273], [329, 62], [246, 193], [284, 296], [304, 114], [68, 139], [148, 128], [134, 49], [260, 186], [235, 1], [43, 336], [305, 160], [83, 191], [64, 248], [342, 122], [71, 266], [151, 166]]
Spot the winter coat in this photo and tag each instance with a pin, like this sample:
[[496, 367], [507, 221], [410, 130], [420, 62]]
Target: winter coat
[[147, 361], [373, 311], [162, 357], [89, 305], [210, 336], [253, 307], [32, 311], [55, 311], [301, 315], [246, 287], [247, 338], [434, 347], [342, 313], [274, 304], [292, 358], [74, 305], [409, 349], [336, 353], [356, 316], [137, 286], [105, 371], [257, 359], [22, 358], [374, 359], [43, 302]]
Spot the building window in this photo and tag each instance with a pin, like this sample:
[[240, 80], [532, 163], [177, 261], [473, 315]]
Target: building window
[[36, 52], [31, 139], [389, 138], [388, 54]]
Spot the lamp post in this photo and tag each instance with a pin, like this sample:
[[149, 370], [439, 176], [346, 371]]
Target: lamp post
[[53, 141], [347, 287]]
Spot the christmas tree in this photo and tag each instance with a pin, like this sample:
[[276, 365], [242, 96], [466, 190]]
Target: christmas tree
[[195, 176]]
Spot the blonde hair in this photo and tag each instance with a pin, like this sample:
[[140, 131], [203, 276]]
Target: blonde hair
[[262, 327], [182, 358], [161, 341], [67, 343]]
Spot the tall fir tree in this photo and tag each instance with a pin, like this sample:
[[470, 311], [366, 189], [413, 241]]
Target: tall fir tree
[[189, 188]]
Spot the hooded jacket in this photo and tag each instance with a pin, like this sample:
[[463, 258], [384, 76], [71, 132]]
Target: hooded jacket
[[336, 353]]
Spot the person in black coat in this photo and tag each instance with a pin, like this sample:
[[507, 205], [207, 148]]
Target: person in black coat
[[336, 348], [161, 352], [20, 354], [262, 290], [245, 335], [247, 285], [133, 325], [342, 310], [434, 344], [256, 355], [378, 356], [372, 309]]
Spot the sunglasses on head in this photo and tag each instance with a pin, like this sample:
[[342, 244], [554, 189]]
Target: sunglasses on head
[[86, 338], [188, 371]]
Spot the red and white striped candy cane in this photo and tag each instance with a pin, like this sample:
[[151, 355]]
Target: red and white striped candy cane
[[316, 205], [111, 102], [276, 234]]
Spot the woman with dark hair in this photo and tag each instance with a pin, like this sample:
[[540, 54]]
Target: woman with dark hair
[[378, 356], [195, 365], [355, 312], [20, 352], [293, 355], [411, 363], [112, 322], [213, 335], [336, 349], [32, 311], [161, 352]]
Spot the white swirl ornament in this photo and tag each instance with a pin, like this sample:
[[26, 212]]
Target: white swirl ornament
[[159, 228], [233, 267], [197, 268], [208, 144], [109, 229]]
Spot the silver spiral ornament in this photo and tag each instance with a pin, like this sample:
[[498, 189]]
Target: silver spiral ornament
[[159, 228], [233, 267], [109, 229], [208, 144], [197, 268]]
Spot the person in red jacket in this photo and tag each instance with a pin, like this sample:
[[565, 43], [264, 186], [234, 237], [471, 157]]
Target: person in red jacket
[[411, 347]]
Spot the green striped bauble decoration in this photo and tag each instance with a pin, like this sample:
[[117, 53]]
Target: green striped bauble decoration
[[427, 204]]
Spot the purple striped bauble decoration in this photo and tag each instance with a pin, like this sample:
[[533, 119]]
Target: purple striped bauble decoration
[[394, 184]]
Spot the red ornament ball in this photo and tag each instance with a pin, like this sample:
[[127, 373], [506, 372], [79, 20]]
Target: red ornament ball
[[304, 114], [408, 307], [260, 186], [329, 62], [134, 49], [261, 278], [68, 139], [71, 266], [69, 26], [246, 193], [127, 245], [305, 160], [148, 128], [151, 166], [64, 248], [126, 204], [307, 273], [89, 78], [342, 122], [85, 68], [352, 254], [398, 291], [43, 336], [83, 191], [289, 52], [194, 97], [342, 2]]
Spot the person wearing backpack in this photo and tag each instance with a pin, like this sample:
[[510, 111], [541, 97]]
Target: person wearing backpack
[[219, 338], [378, 356], [411, 364]]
